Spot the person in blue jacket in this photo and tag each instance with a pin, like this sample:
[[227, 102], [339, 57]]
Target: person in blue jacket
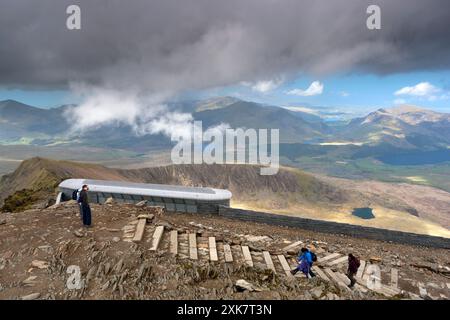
[[305, 262]]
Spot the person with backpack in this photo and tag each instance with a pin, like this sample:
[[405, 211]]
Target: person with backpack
[[85, 208], [305, 260], [76, 197], [353, 265]]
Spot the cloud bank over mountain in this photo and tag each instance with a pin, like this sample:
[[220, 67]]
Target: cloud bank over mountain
[[159, 48]]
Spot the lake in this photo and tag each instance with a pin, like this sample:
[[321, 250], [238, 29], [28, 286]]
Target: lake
[[364, 213]]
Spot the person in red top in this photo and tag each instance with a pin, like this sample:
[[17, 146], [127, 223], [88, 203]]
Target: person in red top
[[353, 265]]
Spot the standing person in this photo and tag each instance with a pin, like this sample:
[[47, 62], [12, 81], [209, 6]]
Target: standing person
[[85, 208], [305, 263], [79, 202], [353, 265]]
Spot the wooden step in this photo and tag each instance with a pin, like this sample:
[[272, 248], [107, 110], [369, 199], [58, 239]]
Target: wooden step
[[338, 261], [157, 236], [247, 256], [227, 252], [213, 249], [336, 279], [268, 260], [174, 242], [328, 257], [285, 265], [361, 268], [139, 230], [193, 254], [320, 273], [293, 245], [347, 282], [394, 278]]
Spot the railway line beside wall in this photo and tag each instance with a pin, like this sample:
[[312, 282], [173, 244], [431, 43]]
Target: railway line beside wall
[[335, 228]]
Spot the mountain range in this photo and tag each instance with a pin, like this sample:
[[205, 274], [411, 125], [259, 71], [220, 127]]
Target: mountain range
[[405, 127]]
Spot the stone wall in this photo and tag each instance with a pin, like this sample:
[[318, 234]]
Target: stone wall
[[335, 228]]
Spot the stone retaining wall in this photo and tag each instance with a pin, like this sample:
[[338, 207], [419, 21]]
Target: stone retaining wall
[[335, 228]]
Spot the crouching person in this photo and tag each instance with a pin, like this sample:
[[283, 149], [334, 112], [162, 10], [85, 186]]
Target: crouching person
[[85, 208]]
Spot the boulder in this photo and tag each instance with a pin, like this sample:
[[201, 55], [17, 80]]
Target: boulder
[[109, 201], [39, 264], [242, 285], [78, 233], [374, 259], [147, 216], [142, 203], [32, 296], [316, 292], [252, 238]]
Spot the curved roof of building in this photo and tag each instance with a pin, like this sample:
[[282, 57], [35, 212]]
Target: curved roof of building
[[148, 189]]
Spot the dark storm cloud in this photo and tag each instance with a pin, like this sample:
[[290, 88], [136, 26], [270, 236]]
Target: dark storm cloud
[[170, 45]]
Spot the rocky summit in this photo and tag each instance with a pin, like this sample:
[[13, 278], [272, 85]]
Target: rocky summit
[[141, 252]]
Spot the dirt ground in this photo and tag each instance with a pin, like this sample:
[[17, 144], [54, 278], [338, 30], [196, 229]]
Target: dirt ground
[[38, 246]]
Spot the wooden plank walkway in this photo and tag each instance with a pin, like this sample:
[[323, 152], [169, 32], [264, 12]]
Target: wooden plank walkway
[[338, 261], [269, 262], [247, 256], [227, 252], [293, 245], [213, 249], [336, 279], [285, 265], [320, 273], [174, 242], [193, 254], [394, 278], [328, 257], [139, 230], [157, 236], [361, 269]]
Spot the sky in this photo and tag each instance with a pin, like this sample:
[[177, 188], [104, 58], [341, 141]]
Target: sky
[[282, 52]]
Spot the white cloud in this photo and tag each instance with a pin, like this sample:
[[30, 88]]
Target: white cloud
[[314, 89], [344, 94], [301, 109], [264, 86], [145, 115], [423, 89]]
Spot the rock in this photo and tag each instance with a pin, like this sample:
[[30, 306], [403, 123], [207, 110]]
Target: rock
[[113, 230], [2, 221], [316, 292], [330, 296], [242, 285], [109, 201], [31, 296], [55, 206], [69, 203], [166, 225], [78, 233], [29, 282], [147, 216], [251, 238], [142, 203], [375, 259], [116, 239], [39, 264]]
